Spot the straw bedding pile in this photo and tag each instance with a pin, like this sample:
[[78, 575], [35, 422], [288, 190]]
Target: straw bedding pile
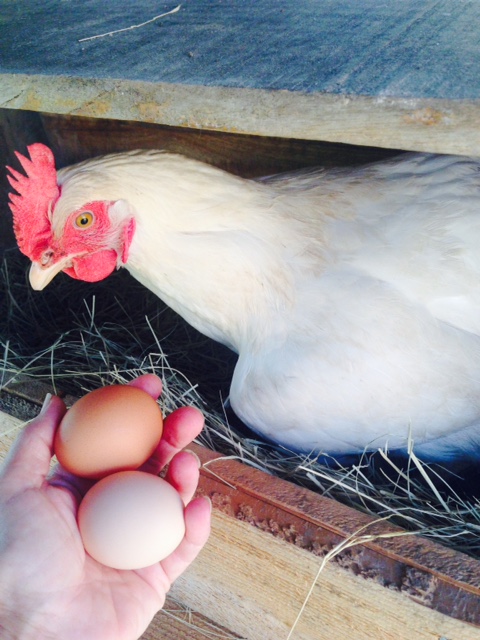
[[78, 336]]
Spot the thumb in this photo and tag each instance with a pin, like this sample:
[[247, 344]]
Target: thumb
[[28, 461]]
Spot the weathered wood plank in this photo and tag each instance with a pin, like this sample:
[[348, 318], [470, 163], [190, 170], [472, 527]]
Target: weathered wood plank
[[178, 622], [419, 124], [74, 138], [10, 427], [395, 75], [408, 564], [257, 584]]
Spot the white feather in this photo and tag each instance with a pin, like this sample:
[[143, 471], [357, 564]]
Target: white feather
[[351, 296]]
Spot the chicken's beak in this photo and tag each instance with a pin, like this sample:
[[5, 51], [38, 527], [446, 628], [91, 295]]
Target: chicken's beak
[[40, 276]]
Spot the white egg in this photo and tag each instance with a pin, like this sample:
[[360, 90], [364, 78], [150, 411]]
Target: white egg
[[131, 520]]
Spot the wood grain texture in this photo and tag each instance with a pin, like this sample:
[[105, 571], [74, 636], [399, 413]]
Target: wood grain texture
[[74, 138], [410, 565], [418, 124], [9, 429], [178, 622], [256, 585]]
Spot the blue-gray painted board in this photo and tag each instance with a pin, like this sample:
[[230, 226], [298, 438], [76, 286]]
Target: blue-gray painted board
[[391, 48]]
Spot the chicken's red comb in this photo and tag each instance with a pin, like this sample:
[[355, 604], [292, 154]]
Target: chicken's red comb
[[37, 192]]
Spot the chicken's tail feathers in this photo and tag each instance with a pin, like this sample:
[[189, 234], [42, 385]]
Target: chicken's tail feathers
[[36, 193]]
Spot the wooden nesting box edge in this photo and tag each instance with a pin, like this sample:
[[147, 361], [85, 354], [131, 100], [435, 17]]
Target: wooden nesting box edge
[[425, 571]]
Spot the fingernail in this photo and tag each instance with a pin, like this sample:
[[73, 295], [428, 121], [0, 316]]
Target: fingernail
[[192, 453], [45, 404], [209, 501]]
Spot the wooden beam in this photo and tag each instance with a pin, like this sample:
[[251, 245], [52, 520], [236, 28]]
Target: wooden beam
[[178, 622], [389, 74], [256, 585], [417, 124]]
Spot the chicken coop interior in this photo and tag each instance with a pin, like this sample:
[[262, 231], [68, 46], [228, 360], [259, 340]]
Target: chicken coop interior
[[300, 549]]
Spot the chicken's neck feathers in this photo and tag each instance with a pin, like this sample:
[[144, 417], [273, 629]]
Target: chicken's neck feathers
[[210, 244], [227, 283]]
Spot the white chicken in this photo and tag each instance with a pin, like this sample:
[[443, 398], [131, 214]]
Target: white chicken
[[351, 296]]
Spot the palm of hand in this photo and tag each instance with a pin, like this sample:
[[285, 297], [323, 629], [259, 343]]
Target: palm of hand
[[56, 575], [47, 576]]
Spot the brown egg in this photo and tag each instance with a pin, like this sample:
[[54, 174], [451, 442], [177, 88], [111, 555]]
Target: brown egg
[[111, 429]]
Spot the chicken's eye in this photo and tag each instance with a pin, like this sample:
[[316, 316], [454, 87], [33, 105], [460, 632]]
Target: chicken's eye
[[84, 220]]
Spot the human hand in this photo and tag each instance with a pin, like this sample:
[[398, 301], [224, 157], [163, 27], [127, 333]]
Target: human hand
[[49, 587]]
